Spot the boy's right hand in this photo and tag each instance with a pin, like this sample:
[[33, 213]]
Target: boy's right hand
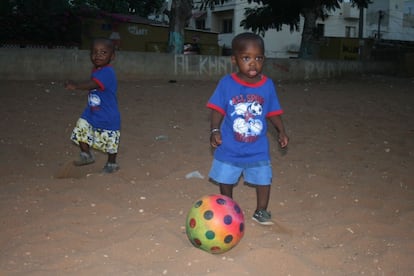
[[70, 85], [215, 139]]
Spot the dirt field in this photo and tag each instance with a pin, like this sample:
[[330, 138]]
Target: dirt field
[[343, 193]]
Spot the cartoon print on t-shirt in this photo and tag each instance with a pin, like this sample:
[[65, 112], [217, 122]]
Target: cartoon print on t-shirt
[[246, 126], [94, 100]]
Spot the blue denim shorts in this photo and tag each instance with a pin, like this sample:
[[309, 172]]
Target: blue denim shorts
[[257, 173]]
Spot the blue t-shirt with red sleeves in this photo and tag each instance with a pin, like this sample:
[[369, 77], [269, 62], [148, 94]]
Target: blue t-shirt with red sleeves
[[245, 107], [102, 110]]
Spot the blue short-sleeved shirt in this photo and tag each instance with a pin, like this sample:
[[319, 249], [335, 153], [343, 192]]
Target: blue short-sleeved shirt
[[245, 108], [102, 110]]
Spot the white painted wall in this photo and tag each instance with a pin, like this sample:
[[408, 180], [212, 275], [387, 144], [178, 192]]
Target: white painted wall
[[284, 44], [395, 23], [337, 21]]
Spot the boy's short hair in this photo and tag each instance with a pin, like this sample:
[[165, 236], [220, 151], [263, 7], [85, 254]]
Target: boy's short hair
[[108, 42], [239, 41]]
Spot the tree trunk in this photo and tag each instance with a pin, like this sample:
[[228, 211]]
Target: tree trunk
[[307, 45], [179, 15]]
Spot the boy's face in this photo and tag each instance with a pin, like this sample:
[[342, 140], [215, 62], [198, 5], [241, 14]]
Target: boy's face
[[249, 59], [101, 54]]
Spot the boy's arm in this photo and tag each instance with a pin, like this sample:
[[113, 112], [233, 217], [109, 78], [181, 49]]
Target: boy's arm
[[83, 85], [278, 124], [215, 122]]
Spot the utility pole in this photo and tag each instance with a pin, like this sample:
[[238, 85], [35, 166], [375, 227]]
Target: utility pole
[[361, 23], [380, 16], [361, 33]]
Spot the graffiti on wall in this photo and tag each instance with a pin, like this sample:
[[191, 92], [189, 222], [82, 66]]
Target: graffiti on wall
[[135, 30], [202, 65]]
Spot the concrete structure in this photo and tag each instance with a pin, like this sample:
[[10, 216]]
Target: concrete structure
[[226, 19], [397, 23], [393, 19], [63, 64], [134, 33], [342, 22]]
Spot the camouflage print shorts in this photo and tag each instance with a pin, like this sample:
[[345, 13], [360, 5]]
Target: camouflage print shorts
[[100, 139]]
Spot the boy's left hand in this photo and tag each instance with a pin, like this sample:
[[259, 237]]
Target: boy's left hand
[[215, 139], [283, 140]]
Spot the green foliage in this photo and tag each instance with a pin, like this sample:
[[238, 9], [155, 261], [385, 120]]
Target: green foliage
[[262, 18], [273, 14], [57, 22], [138, 7], [210, 4], [144, 8], [38, 22]]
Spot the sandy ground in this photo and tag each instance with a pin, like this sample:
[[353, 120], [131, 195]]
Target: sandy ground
[[343, 194]]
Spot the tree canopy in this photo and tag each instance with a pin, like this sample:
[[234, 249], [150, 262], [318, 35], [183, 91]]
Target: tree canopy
[[57, 21], [273, 14], [138, 7]]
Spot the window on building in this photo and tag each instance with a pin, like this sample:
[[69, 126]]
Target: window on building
[[320, 30], [227, 26], [350, 31], [200, 24]]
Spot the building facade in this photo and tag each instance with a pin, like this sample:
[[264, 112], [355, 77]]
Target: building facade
[[225, 19], [392, 19]]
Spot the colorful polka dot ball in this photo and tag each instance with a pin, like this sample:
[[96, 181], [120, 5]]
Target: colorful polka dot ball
[[215, 224]]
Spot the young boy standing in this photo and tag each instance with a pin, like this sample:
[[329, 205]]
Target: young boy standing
[[240, 107]]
